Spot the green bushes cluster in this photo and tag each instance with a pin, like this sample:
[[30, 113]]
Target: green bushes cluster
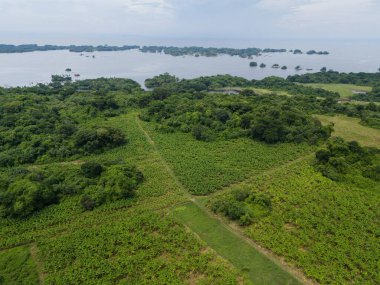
[[115, 183], [25, 191], [273, 119], [35, 127], [342, 159], [244, 206]]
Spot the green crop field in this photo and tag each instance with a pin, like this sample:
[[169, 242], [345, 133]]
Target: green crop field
[[345, 90], [129, 242], [326, 228], [206, 167], [350, 129]]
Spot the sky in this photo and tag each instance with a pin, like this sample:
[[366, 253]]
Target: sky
[[245, 19]]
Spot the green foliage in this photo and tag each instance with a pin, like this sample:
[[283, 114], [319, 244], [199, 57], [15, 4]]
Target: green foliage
[[342, 159], [272, 120], [91, 169], [158, 81], [41, 124], [243, 206], [360, 78], [204, 168], [280, 84], [328, 228], [117, 182], [97, 139], [28, 191]]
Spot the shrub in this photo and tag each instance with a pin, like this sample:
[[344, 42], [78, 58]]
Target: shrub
[[116, 182], [99, 138], [91, 169]]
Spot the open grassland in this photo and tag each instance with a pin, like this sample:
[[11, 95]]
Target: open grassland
[[232, 247], [350, 129], [206, 167], [345, 90], [326, 228]]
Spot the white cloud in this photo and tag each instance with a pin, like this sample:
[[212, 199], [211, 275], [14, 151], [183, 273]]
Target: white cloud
[[195, 18], [148, 7], [327, 17]]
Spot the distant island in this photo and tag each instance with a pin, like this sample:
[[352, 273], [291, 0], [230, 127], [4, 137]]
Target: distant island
[[173, 51]]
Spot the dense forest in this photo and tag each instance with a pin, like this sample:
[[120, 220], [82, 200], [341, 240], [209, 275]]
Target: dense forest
[[92, 169]]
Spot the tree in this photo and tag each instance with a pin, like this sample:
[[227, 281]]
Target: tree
[[91, 169], [22, 198], [323, 69], [201, 133]]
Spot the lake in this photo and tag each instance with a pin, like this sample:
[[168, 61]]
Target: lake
[[24, 69]]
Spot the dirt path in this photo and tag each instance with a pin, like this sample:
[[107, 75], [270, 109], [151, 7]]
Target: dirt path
[[33, 254], [296, 273], [256, 174]]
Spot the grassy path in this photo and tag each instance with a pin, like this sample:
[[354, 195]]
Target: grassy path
[[226, 241], [258, 268]]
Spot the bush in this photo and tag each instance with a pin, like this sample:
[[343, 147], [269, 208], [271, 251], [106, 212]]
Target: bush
[[23, 197], [98, 138], [243, 206], [87, 202], [347, 158], [201, 133], [91, 169], [116, 182]]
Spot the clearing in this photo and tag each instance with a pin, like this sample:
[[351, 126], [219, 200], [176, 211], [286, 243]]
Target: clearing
[[350, 129]]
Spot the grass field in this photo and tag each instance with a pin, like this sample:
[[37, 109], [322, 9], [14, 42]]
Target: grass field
[[345, 90], [350, 129], [259, 268]]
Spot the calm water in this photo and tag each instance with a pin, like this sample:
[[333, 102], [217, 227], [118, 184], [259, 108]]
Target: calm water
[[346, 56]]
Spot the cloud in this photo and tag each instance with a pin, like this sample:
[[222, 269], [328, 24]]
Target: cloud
[[194, 18], [333, 18], [148, 7]]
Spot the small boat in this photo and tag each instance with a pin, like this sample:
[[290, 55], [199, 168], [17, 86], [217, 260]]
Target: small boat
[[76, 74]]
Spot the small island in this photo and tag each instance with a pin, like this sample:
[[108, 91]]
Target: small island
[[169, 50]]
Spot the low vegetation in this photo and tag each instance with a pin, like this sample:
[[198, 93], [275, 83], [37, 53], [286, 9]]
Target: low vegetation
[[96, 177]]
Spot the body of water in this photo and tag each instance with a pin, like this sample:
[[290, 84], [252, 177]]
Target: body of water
[[24, 69]]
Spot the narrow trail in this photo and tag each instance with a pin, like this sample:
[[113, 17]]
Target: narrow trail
[[256, 174], [296, 273], [33, 254]]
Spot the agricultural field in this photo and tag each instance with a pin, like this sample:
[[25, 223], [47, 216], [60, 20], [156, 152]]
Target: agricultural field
[[206, 167], [351, 130], [331, 234], [126, 242], [345, 90]]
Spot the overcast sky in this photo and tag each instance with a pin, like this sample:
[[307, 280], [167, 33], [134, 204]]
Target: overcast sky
[[192, 18]]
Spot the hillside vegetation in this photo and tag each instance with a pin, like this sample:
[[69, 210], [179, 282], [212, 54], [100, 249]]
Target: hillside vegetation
[[102, 182]]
